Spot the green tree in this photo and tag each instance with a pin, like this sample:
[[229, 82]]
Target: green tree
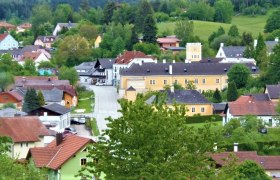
[[133, 40], [46, 64], [72, 51], [273, 21], [29, 68], [184, 31], [118, 46], [149, 30], [232, 93], [6, 79], [108, 11], [233, 31], [223, 11], [201, 11], [272, 75], [147, 48], [88, 31], [239, 73], [70, 74], [190, 85], [249, 169], [139, 145], [41, 98], [9, 105], [63, 13], [31, 101], [260, 51], [144, 10], [217, 98], [247, 39]]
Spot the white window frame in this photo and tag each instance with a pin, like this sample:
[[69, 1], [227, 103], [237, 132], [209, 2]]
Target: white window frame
[[217, 81], [202, 109], [193, 109]]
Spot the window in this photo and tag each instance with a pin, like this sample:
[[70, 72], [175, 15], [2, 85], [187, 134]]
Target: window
[[217, 81], [203, 81], [21, 144], [176, 82], [196, 81], [83, 161], [152, 81], [26, 144], [186, 81], [202, 109], [164, 81], [193, 109]]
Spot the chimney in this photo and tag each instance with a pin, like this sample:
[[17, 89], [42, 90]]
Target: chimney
[[255, 43], [170, 68], [276, 39], [173, 61], [235, 147], [164, 61], [172, 89], [58, 138], [23, 79], [156, 61], [49, 78], [222, 45], [215, 148]]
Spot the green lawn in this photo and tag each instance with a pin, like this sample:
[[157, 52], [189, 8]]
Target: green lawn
[[203, 29], [85, 101]]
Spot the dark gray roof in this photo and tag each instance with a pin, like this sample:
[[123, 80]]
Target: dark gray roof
[[30, 48], [234, 51], [67, 25], [176, 48], [270, 45], [85, 65], [10, 112], [57, 108], [210, 60], [131, 89], [183, 97], [219, 106], [273, 91], [12, 52], [106, 63], [180, 68], [259, 97]]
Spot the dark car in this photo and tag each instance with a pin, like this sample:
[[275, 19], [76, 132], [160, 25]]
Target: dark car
[[70, 130], [78, 121], [263, 130]]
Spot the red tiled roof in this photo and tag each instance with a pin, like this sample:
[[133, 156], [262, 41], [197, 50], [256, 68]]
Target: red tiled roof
[[54, 156], [31, 55], [128, 56], [13, 94], [25, 25], [23, 128], [7, 25], [168, 40], [3, 36], [267, 162], [246, 105]]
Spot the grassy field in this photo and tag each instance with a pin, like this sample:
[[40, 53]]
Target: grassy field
[[203, 29], [85, 101]]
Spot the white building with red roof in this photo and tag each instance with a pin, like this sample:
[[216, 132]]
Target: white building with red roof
[[7, 42], [26, 132], [126, 60], [257, 104]]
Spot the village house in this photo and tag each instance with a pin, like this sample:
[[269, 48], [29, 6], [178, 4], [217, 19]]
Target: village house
[[23, 27], [54, 115], [271, 164], [193, 52], [61, 26], [48, 83], [63, 157], [37, 57], [7, 26], [258, 105], [97, 41], [273, 92], [45, 41], [11, 97], [26, 132], [155, 76], [7, 42], [11, 112], [194, 102], [127, 59]]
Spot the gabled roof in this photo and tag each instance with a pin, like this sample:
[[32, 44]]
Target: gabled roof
[[234, 51], [248, 105], [270, 45], [273, 91], [54, 156], [7, 25], [131, 89], [85, 65], [3, 36], [168, 40], [219, 106], [14, 94], [106, 63], [185, 97], [57, 108], [10, 112], [31, 48], [67, 25], [267, 162], [31, 55], [47, 39], [128, 56], [23, 128], [180, 68]]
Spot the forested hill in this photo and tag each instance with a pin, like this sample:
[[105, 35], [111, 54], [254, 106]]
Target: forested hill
[[22, 8]]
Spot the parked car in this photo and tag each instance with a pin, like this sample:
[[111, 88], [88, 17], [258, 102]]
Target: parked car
[[70, 130], [263, 130], [81, 120]]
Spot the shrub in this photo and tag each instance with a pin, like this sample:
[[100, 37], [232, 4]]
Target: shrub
[[203, 119]]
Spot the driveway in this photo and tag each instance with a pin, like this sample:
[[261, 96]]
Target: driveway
[[105, 105]]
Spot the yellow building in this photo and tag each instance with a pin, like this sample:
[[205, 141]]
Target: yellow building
[[155, 76], [97, 41], [193, 52], [194, 102]]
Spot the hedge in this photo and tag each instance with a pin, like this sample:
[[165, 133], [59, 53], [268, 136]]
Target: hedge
[[203, 119]]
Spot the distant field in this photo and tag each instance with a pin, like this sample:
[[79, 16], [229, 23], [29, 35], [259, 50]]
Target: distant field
[[203, 29]]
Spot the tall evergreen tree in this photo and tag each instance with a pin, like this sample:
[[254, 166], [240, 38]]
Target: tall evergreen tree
[[217, 98], [144, 10], [31, 101], [133, 40], [232, 93], [233, 31], [150, 29], [41, 99], [108, 11], [260, 49]]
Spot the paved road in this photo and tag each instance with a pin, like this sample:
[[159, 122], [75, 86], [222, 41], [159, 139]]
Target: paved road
[[105, 105]]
